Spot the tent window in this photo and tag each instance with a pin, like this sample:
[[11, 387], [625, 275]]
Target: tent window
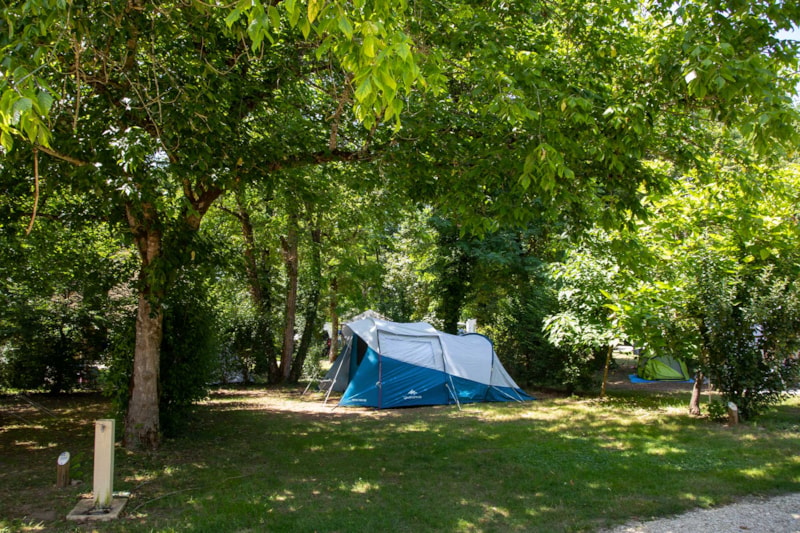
[[420, 351]]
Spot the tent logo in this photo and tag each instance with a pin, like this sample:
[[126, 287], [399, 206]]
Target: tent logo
[[412, 395]]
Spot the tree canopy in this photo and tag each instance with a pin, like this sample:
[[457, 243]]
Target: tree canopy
[[323, 129]]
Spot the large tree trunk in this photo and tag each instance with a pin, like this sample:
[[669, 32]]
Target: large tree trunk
[[290, 245], [142, 426], [142, 421]]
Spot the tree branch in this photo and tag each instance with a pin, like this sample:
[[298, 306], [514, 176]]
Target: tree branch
[[35, 190], [320, 158], [63, 157], [201, 202], [231, 212]]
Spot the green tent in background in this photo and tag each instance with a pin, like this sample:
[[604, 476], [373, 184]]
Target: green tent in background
[[662, 368]]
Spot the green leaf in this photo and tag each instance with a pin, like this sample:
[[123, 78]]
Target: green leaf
[[368, 46], [293, 11], [314, 7], [530, 164], [274, 17], [305, 28], [232, 17], [23, 105], [345, 26], [364, 91], [324, 47], [6, 140], [387, 79], [45, 101]]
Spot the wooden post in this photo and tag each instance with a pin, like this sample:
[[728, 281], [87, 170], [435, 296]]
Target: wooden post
[[103, 463], [733, 414], [62, 471]]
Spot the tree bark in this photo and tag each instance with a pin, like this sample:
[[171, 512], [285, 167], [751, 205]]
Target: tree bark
[[259, 292], [142, 420], [334, 350], [251, 266], [142, 425], [697, 390], [454, 270], [291, 258], [605, 370]]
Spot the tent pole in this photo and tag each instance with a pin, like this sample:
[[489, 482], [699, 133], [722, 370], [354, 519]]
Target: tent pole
[[452, 386], [517, 399], [315, 377], [491, 372], [452, 389]]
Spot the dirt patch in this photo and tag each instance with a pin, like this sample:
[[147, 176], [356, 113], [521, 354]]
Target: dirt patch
[[312, 402], [286, 401]]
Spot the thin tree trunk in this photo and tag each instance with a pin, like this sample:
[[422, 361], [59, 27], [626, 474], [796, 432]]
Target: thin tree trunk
[[259, 293], [605, 370], [291, 260], [334, 350], [697, 390], [311, 314], [251, 267]]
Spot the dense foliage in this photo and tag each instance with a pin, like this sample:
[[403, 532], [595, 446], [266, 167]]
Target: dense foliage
[[434, 161]]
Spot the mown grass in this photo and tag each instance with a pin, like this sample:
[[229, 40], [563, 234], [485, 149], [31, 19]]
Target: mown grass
[[274, 461]]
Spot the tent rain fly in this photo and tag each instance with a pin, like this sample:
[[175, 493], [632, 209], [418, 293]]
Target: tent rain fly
[[388, 364]]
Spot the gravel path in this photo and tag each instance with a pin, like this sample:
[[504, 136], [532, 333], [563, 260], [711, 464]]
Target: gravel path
[[775, 515]]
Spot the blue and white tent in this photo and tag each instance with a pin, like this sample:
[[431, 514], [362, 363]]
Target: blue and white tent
[[387, 364]]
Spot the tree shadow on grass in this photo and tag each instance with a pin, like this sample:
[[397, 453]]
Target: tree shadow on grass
[[557, 466], [260, 461]]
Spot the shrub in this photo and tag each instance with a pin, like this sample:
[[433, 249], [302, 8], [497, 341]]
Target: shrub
[[751, 333], [189, 351]]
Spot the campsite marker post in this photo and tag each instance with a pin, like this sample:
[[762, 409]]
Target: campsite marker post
[[103, 463], [733, 414], [62, 470], [103, 505]]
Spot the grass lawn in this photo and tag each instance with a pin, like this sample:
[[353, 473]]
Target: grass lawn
[[257, 460]]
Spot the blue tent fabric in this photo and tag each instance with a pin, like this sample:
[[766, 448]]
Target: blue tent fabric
[[636, 379], [386, 364]]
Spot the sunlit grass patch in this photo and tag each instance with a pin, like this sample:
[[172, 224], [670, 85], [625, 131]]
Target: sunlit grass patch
[[274, 460]]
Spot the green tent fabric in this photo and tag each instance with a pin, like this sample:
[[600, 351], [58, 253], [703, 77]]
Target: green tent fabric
[[662, 368]]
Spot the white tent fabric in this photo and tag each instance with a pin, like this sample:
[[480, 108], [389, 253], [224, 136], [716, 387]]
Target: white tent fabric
[[388, 364]]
